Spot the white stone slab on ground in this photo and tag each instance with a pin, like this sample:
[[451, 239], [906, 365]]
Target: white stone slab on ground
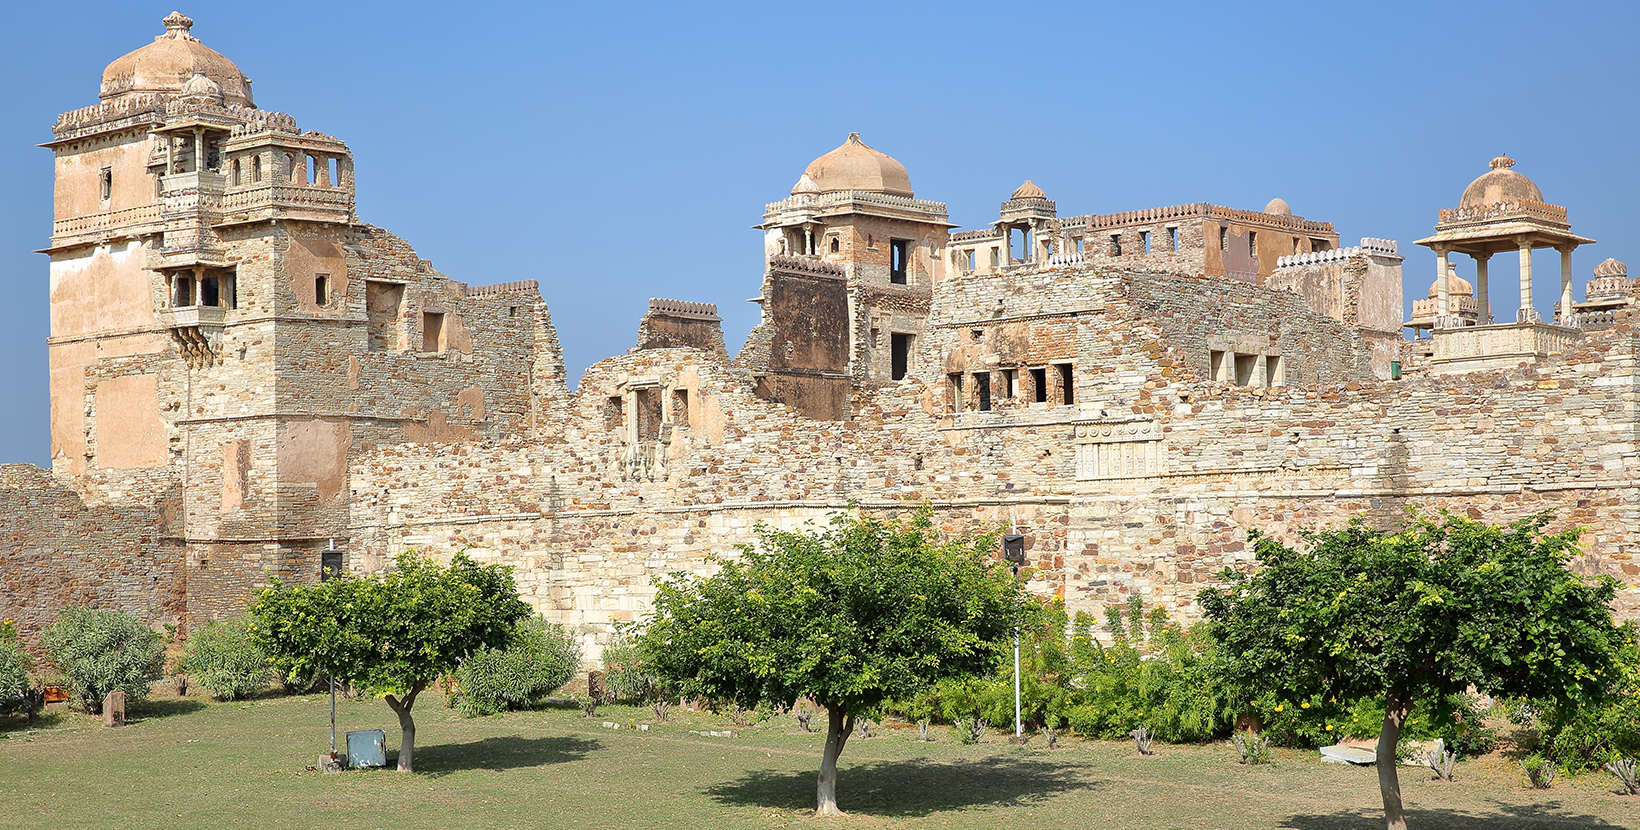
[[1340, 754]]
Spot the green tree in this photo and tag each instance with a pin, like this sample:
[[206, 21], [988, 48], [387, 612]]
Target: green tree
[[101, 651], [393, 633], [1419, 614], [850, 615], [14, 663]]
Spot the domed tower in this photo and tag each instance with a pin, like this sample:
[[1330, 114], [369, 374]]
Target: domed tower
[[851, 257], [1502, 210]]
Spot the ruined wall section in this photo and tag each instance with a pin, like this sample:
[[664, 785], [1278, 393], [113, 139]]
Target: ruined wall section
[[58, 550]]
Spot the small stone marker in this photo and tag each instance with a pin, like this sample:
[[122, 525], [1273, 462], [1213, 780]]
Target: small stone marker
[[330, 763], [114, 709], [1340, 754]]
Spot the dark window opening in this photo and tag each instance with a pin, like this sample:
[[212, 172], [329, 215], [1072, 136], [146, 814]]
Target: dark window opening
[[256, 168], [899, 253], [835, 244], [1295, 244], [184, 291], [208, 293], [233, 172], [680, 407], [1252, 243], [1246, 370], [512, 311], [649, 414], [1319, 245], [1115, 244], [107, 178], [900, 355], [614, 412], [1039, 385], [1224, 239], [321, 289], [1067, 384], [982, 390]]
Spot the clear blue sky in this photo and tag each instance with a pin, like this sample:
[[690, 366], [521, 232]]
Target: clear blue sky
[[618, 152]]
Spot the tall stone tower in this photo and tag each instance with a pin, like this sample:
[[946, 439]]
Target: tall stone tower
[[851, 259], [225, 333]]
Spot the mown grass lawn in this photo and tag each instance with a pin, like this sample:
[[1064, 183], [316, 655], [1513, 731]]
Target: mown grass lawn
[[191, 763]]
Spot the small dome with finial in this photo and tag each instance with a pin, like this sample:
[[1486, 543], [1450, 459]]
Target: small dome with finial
[[170, 63], [1028, 190], [805, 185], [1611, 268], [1456, 286], [854, 166], [1501, 185], [1278, 207]]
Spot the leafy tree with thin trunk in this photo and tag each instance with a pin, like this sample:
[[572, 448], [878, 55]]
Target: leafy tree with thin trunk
[[850, 615], [393, 633], [1441, 605]]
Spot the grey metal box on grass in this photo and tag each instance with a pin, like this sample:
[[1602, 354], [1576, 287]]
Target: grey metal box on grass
[[367, 748]]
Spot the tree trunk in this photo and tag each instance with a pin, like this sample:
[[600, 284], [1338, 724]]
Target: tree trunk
[[407, 726], [839, 727], [1396, 709]]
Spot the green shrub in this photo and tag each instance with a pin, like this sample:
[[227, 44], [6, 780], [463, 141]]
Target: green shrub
[[226, 660], [539, 659], [1594, 733], [102, 651], [14, 662], [626, 678]]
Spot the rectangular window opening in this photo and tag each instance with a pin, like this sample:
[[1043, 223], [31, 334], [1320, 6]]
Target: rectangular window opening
[[680, 407], [996, 259], [321, 289], [1246, 367], [1144, 236], [383, 302], [1173, 238], [335, 172], [614, 412], [1224, 239], [953, 383], [971, 257], [209, 293], [1010, 383], [1115, 244], [183, 286], [1252, 243], [312, 174], [1319, 244], [1216, 366], [1276, 367], [982, 390], [1079, 243], [432, 331], [256, 168], [899, 253], [1067, 383], [900, 355], [1039, 385], [107, 180]]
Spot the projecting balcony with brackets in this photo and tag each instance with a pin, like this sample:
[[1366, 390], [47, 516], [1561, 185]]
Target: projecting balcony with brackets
[[201, 299]]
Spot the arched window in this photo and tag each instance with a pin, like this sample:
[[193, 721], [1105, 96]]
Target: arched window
[[835, 245]]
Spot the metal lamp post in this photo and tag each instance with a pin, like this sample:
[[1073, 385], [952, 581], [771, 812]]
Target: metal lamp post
[[330, 567], [1013, 551]]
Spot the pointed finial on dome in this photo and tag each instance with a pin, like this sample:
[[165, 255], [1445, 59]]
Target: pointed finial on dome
[[1502, 162], [177, 25], [854, 138]]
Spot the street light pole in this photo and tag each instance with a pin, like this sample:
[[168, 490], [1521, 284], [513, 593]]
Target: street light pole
[[1013, 550]]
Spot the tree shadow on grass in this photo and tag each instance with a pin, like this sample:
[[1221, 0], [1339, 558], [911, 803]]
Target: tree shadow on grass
[[140, 710], [1507, 817], [917, 787], [499, 753]]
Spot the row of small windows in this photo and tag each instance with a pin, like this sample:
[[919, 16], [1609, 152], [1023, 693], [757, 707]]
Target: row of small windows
[[1252, 242], [1244, 369], [1038, 384], [210, 287]]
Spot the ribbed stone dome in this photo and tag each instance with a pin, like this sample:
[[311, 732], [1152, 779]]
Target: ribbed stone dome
[[168, 64], [854, 166], [1028, 190], [1456, 286], [1500, 185], [1611, 268]]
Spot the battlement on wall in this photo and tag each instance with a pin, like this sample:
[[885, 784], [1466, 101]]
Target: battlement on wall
[[1369, 245]]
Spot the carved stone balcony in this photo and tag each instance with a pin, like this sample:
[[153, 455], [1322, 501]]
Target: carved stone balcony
[[1479, 348]]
